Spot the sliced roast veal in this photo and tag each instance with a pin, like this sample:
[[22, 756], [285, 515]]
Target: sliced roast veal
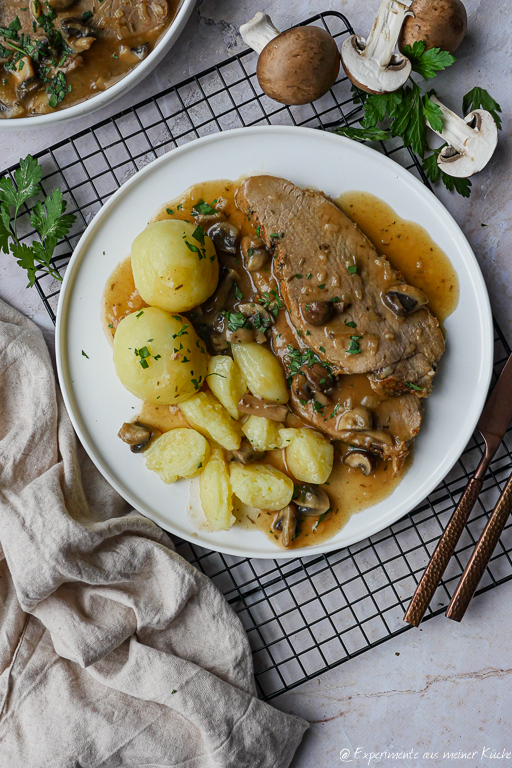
[[322, 256]]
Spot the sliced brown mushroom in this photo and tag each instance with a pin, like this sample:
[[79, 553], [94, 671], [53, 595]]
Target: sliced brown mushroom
[[356, 420], [254, 252], [141, 51], [311, 500], [224, 236], [296, 66], [317, 312], [29, 86], [72, 28], [285, 523], [441, 24], [404, 299], [219, 299], [22, 71], [359, 459], [319, 377], [374, 439], [259, 318], [246, 454], [59, 5], [136, 435], [255, 406], [207, 220]]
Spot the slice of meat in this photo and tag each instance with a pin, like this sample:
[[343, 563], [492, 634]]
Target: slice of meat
[[392, 424], [322, 256]]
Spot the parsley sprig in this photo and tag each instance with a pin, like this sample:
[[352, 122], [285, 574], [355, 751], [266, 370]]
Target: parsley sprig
[[48, 218], [408, 110]]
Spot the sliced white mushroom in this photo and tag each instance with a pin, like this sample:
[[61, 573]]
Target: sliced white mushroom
[[356, 420], [374, 64], [471, 141]]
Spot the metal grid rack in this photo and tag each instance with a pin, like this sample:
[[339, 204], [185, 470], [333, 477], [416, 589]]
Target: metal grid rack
[[311, 614]]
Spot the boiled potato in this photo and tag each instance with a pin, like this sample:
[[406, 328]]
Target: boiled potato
[[215, 492], [286, 435], [181, 452], [208, 416], [310, 457], [261, 370], [226, 382], [159, 357], [174, 265], [261, 486], [263, 434]]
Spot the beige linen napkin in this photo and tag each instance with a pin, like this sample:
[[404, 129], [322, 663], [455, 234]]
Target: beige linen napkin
[[114, 651]]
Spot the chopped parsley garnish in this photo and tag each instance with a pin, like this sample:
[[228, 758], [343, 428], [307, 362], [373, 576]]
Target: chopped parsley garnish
[[139, 313], [410, 385], [201, 252], [179, 207], [350, 323], [205, 209], [354, 348], [353, 269], [169, 211], [271, 301], [322, 517], [198, 234], [238, 293], [322, 286], [258, 230], [322, 349], [335, 410], [298, 276], [86, 15], [182, 332], [297, 360], [236, 320], [83, 353]]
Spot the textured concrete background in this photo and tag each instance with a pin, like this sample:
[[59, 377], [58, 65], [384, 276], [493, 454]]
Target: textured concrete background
[[446, 687]]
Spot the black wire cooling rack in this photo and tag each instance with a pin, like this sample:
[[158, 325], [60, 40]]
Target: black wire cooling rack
[[307, 615]]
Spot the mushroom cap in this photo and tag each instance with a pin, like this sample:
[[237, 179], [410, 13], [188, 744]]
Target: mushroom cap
[[478, 149], [367, 74], [299, 66], [441, 24]]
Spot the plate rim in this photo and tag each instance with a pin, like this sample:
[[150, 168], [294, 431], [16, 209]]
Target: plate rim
[[66, 292]]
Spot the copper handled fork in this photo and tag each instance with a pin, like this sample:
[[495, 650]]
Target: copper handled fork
[[492, 425]]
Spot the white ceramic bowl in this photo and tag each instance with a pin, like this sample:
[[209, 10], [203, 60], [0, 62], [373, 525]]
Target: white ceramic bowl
[[115, 91], [98, 404]]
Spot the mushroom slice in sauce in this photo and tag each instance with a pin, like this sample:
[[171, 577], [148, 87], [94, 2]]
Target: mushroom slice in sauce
[[317, 312], [137, 435], [358, 419], [359, 459], [255, 406], [224, 236], [285, 523], [254, 252], [246, 454], [402, 299], [311, 500]]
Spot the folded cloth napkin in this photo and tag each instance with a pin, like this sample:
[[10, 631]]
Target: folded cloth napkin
[[114, 651]]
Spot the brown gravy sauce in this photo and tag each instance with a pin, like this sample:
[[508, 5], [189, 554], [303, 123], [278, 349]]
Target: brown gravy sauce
[[408, 247]]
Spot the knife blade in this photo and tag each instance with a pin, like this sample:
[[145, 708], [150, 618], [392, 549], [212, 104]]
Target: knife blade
[[497, 413]]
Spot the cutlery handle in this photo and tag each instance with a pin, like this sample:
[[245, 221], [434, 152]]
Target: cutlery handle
[[443, 552], [481, 556]]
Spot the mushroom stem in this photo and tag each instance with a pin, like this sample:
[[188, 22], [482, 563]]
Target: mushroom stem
[[471, 141], [456, 132], [382, 40], [258, 31]]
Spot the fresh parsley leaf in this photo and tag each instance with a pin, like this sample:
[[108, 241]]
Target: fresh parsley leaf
[[409, 120], [433, 113], [378, 105], [479, 98], [48, 219], [461, 186], [362, 134], [431, 168], [204, 208], [427, 63]]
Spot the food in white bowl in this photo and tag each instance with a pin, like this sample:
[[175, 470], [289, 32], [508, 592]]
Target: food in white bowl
[[55, 55], [302, 372]]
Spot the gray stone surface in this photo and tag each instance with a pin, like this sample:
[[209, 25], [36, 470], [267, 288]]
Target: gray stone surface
[[446, 687]]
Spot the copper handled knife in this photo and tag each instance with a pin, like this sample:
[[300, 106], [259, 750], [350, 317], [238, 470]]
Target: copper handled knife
[[493, 424]]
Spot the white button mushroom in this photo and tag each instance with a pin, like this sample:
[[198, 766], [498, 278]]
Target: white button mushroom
[[374, 65], [294, 67], [470, 141]]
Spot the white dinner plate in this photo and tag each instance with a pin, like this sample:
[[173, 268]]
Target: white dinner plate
[[98, 404]]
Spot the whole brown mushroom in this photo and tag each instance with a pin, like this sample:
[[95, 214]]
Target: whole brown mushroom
[[294, 67], [439, 23]]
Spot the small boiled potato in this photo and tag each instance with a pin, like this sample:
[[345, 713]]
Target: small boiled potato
[[261, 486], [226, 382], [262, 433], [174, 265], [261, 370], [215, 492], [286, 436], [208, 416], [159, 357], [310, 457], [181, 452]]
